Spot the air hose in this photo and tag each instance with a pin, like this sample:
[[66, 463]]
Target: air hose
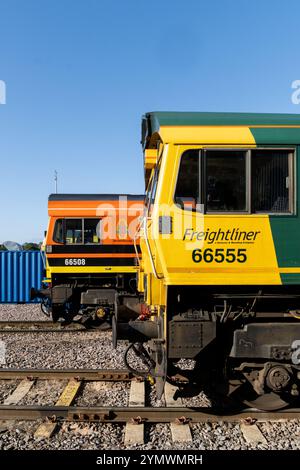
[[141, 352]]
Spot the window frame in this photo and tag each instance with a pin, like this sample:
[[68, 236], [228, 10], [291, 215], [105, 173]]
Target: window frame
[[152, 188], [202, 152], [83, 225], [64, 219], [203, 178], [148, 192], [200, 182], [292, 177], [63, 230]]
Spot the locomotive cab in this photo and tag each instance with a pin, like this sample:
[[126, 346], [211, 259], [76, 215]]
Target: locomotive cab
[[220, 268]]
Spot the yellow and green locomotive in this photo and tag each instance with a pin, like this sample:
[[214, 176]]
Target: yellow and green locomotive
[[220, 243]]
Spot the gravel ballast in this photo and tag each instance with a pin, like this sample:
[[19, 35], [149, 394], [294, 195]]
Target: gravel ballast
[[6, 388], [104, 393], [94, 350], [13, 312], [206, 436]]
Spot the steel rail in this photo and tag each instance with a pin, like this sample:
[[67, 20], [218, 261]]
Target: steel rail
[[40, 326], [137, 415], [61, 374]]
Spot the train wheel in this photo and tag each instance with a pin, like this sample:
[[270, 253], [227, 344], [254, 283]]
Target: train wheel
[[267, 402], [268, 387]]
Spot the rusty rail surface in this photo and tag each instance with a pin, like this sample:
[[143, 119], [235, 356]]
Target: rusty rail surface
[[137, 415], [62, 374], [39, 326]]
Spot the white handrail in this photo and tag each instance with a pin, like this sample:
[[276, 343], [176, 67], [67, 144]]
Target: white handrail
[[149, 250]]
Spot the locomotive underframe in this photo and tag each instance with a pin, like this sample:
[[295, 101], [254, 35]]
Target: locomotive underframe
[[249, 335], [88, 298]]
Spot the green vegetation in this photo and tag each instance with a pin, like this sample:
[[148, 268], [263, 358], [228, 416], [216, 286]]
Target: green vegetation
[[31, 246], [26, 246]]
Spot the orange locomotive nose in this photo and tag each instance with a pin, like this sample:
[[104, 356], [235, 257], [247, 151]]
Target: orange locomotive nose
[[92, 252]]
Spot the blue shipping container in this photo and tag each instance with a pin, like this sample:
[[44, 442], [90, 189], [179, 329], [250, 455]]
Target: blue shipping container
[[19, 271]]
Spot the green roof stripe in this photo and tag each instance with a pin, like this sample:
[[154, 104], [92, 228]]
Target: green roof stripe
[[276, 136], [163, 118]]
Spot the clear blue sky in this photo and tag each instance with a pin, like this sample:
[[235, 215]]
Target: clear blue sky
[[80, 74]]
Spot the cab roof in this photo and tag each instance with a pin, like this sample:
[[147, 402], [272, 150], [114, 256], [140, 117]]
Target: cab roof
[[263, 128], [94, 197]]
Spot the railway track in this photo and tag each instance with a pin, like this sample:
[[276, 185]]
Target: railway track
[[139, 415], [63, 374], [115, 414], [40, 326]]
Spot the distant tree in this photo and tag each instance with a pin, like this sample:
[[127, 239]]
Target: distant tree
[[31, 246], [26, 246]]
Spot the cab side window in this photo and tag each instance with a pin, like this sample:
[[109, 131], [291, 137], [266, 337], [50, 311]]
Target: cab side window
[[73, 231], [242, 181], [272, 182], [187, 194], [77, 231], [225, 181], [152, 189], [91, 231], [58, 233]]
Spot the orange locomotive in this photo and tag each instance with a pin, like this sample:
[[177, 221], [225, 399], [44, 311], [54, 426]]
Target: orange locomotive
[[91, 254]]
